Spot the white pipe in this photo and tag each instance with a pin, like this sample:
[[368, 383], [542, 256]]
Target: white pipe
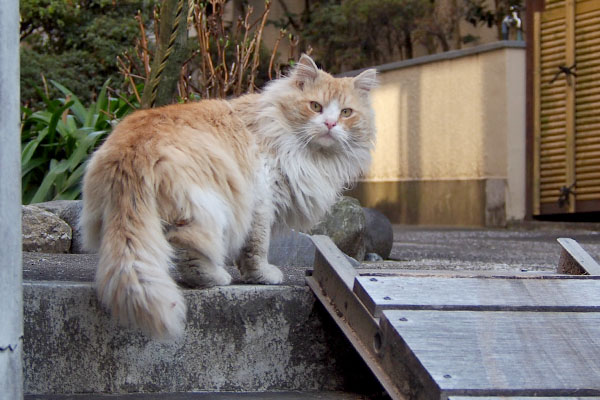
[[11, 291]]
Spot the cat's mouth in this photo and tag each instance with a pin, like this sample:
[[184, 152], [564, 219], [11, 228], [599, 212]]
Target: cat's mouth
[[326, 139]]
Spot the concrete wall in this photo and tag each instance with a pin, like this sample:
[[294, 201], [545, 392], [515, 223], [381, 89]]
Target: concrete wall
[[451, 138]]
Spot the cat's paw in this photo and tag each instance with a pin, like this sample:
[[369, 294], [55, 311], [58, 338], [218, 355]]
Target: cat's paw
[[267, 274], [199, 277]]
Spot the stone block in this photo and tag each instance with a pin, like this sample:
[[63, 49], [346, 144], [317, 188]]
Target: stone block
[[69, 211], [44, 231]]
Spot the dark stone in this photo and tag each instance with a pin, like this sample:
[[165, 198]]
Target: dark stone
[[289, 248], [379, 236], [373, 257], [345, 224]]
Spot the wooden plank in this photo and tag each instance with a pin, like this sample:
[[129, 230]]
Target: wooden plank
[[331, 282], [575, 260], [501, 294], [498, 353], [364, 351], [521, 398], [335, 259], [442, 273]]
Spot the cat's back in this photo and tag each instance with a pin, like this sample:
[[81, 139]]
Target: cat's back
[[177, 122]]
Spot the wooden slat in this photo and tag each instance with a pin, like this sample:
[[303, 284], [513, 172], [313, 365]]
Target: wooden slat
[[593, 196], [478, 294], [570, 100], [589, 168], [536, 113], [575, 260], [519, 398], [591, 192], [554, 4], [587, 94], [585, 6], [440, 273], [500, 353]]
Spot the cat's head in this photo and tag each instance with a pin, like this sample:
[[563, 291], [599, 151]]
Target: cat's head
[[325, 113]]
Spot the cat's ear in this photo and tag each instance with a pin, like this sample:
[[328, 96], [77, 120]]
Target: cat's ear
[[305, 71], [366, 80]]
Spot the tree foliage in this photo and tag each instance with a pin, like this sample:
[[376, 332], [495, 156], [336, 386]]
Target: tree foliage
[[74, 42], [351, 34]]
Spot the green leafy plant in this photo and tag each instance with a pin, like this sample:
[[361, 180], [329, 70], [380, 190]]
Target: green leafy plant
[[56, 141]]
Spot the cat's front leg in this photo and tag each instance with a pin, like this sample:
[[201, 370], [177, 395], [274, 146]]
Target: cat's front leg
[[252, 263]]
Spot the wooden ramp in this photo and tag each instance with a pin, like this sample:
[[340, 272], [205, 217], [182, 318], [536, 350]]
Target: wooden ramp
[[440, 335]]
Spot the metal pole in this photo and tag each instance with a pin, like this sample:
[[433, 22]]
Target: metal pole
[[11, 291]]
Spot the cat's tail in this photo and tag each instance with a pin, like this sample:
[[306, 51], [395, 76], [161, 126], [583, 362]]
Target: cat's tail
[[132, 278]]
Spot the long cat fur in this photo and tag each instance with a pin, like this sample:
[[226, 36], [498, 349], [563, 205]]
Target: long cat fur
[[212, 178]]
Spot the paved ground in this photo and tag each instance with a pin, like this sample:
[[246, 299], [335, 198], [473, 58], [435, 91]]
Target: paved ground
[[488, 249], [532, 247]]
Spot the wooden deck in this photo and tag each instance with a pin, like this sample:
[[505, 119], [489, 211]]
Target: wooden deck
[[440, 335]]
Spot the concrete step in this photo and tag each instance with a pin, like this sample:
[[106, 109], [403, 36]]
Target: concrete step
[[239, 338], [210, 396]]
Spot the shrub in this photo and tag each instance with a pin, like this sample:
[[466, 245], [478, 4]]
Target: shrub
[[56, 141]]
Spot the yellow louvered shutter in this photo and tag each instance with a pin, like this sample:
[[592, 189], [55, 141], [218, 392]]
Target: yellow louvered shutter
[[587, 101], [567, 107]]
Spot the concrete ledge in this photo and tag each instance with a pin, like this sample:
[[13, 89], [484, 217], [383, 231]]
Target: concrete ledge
[[447, 55], [207, 396], [238, 338]]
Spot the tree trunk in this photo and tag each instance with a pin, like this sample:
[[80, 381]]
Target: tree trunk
[[170, 54], [408, 45]]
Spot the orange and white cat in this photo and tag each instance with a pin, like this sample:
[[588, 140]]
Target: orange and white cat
[[212, 178]]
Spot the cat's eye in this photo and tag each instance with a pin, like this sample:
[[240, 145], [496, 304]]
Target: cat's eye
[[316, 107], [346, 112]]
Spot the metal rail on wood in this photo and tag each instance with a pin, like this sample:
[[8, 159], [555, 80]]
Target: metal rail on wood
[[430, 335]]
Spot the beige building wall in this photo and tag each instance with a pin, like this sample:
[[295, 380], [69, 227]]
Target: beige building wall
[[451, 138]]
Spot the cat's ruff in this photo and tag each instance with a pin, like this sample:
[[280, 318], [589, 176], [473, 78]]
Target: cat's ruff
[[212, 178]]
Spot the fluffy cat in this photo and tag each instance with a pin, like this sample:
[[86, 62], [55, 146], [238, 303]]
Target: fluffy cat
[[212, 178]]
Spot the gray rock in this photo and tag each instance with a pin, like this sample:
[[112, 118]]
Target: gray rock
[[44, 231], [289, 248], [69, 211], [373, 257], [380, 234], [345, 224]]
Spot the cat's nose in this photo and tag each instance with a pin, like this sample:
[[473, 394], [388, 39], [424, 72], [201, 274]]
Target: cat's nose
[[330, 124]]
